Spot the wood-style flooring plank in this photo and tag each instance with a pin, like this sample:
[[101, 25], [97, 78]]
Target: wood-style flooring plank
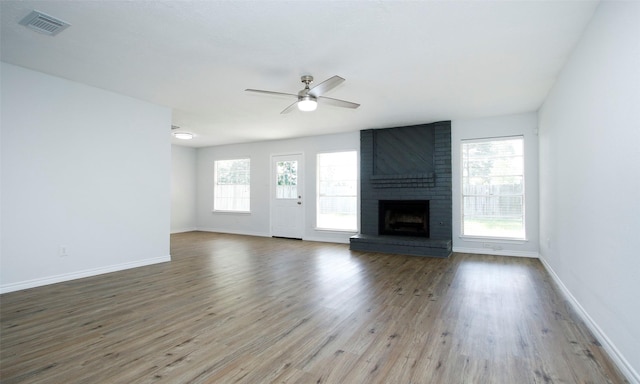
[[241, 309]]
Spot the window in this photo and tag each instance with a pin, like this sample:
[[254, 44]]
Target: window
[[337, 191], [493, 188], [232, 185], [287, 179]]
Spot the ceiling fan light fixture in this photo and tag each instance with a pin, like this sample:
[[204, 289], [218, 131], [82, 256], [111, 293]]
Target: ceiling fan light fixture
[[183, 135], [307, 103], [308, 97]]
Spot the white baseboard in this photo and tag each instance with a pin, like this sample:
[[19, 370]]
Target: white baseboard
[[622, 363], [323, 240], [80, 274], [232, 232], [329, 239], [489, 251], [190, 229]]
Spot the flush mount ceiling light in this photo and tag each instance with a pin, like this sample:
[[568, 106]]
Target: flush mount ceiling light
[[183, 135]]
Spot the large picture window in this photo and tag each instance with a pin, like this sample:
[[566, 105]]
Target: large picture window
[[337, 199], [232, 185], [493, 188]]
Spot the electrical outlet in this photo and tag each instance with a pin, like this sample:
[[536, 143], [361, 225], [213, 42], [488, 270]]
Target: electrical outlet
[[63, 251]]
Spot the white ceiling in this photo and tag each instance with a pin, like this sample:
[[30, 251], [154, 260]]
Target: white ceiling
[[405, 62]]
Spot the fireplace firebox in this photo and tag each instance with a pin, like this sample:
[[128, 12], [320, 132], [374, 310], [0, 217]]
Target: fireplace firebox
[[404, 218]]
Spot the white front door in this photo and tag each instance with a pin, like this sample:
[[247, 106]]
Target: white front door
[[287, 219]]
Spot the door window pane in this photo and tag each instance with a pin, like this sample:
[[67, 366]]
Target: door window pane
[[287, 179]]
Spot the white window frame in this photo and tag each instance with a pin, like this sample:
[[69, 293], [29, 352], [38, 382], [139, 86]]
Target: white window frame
[[319, 197], [462, 191], [215, 187]]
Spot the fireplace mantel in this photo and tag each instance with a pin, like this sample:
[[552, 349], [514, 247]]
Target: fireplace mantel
[[415, 180]]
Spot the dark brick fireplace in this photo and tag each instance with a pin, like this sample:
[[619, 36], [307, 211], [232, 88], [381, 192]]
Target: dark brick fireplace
[[406, 190]]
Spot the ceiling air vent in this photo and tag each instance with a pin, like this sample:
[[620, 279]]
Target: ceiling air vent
[[43, 23]]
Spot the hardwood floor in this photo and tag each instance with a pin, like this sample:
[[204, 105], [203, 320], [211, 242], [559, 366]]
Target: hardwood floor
[[243, 309]]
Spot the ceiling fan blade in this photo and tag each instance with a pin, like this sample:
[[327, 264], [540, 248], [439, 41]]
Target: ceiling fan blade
[[326, 86], [289, 108], [338, 103], [270, 92]]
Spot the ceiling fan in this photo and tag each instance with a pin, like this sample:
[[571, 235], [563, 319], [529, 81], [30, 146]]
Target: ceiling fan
[[308, 97]]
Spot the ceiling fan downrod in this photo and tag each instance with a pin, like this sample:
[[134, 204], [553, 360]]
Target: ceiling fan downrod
[[307, 79], [307, 102]]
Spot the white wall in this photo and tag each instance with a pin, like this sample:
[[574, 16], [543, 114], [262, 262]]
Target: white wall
[[257, 222], [81, 168], [183, 189], [590, 179], [512, 125]]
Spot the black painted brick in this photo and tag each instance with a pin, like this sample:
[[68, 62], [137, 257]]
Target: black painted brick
[[407, 187]]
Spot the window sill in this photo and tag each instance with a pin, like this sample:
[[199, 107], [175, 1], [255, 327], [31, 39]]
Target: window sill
[[232, 212], [336, 230], [494, 239]]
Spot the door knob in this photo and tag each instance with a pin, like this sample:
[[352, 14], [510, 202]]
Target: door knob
[[299, 202]]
